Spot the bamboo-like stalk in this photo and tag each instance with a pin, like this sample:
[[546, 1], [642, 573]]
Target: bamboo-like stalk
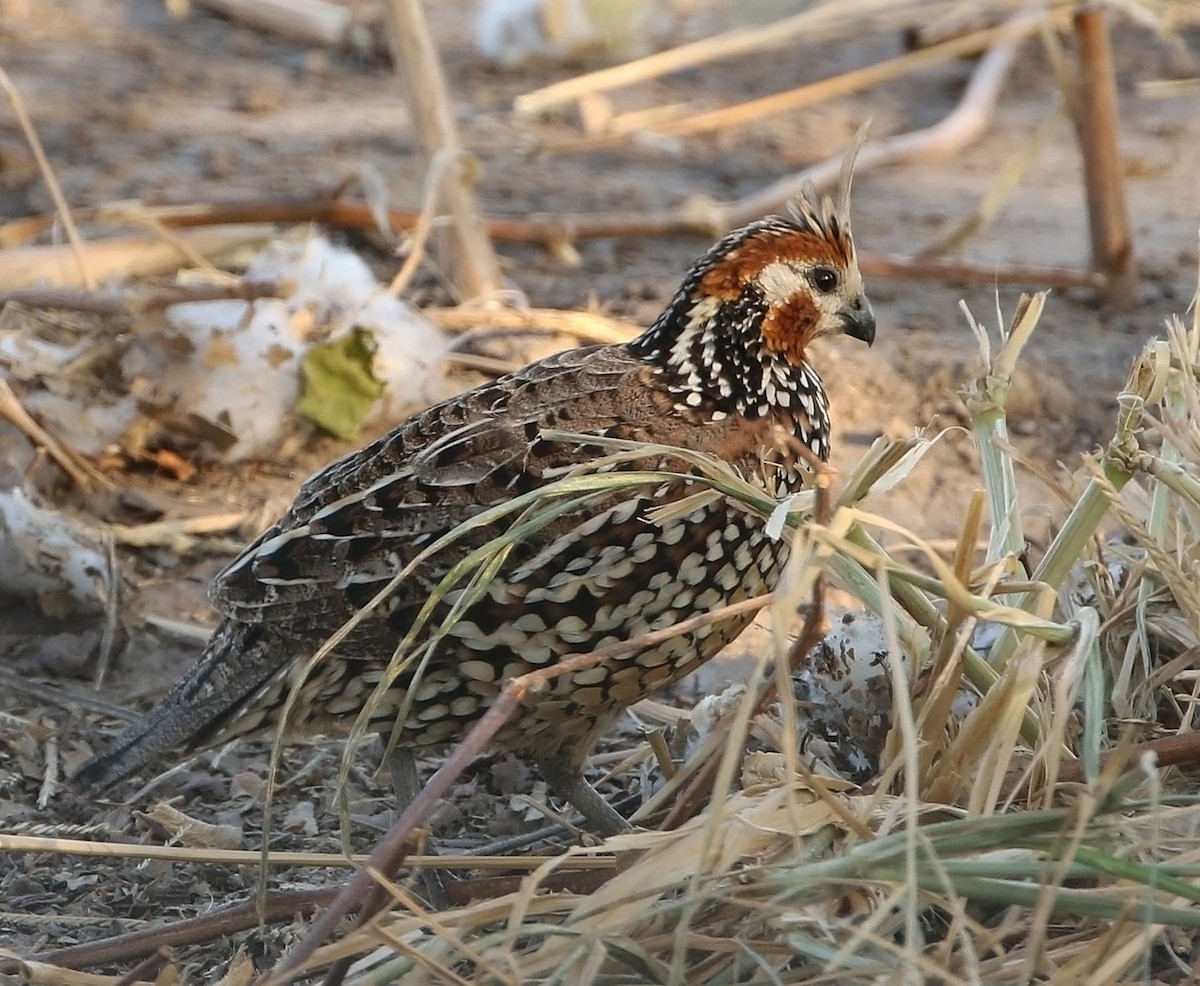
[[985, 398], [472, 264], [1092, 506], [1098, 129]]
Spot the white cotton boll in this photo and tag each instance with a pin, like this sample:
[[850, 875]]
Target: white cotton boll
[[509, 32], [844, 694], [711, 709], [512, 33], [244, 371], [222, 378], [409, 349], [318, 274], [237, 364]]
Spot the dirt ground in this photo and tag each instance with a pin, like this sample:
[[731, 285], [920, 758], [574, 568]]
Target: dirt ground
[[131, 102]]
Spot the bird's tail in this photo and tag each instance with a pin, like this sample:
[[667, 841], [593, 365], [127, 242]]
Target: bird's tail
[[239, 660]]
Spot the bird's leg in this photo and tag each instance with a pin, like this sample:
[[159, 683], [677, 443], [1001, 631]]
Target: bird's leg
[[406, 782], [563, 772]]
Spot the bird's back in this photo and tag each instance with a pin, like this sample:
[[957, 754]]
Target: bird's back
[[598, 573]]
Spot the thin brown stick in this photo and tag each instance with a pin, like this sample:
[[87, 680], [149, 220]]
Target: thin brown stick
[[893, 267], [1097, 126], [464, 246], [135, 300], [1168, 751], [536, 228], [463, 892], [146, 969], [112, 611], [282, 905]]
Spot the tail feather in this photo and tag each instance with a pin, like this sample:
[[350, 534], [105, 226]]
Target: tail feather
[[238, 661]]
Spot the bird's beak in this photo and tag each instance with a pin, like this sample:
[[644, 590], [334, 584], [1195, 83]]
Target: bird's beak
[[858, 320]]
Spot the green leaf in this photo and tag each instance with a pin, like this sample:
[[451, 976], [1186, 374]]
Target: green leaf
[[338, 383]]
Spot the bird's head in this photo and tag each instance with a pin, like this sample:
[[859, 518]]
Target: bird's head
[[735, 337]]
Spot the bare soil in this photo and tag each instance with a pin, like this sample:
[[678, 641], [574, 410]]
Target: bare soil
[[131, 102]]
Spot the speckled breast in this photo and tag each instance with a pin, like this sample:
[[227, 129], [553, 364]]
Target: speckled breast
[[602, 580]]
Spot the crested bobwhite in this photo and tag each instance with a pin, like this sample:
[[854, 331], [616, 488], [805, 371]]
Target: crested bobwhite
[[723, 370]]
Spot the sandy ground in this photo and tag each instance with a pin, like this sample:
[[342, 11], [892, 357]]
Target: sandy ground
[[131, 102]]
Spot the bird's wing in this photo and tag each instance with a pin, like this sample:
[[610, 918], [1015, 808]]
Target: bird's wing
[[357, 523]]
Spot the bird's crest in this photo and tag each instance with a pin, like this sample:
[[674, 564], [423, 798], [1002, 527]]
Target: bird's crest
[[822, 216]]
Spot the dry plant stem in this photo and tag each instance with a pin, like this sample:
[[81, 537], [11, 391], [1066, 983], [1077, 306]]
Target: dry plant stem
[[1001, 187], [584, 325], [82, 474], [43, 163], [171, 533], [60, 694], [136, 300], [1168, 751], [841, 85], [147, 968], [390, 852], [812, 24], [1097, 126], [986, 397], [540, 228], [946, 668], [112, 612], [282, 905], [330, 209], [959, 272], [252, 857], [945, 138], [308, 22], [688, 801], [442, 165], [463, 892], [135, 255], [465, 248]]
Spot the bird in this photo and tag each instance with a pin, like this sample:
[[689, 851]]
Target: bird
[[724, 370]]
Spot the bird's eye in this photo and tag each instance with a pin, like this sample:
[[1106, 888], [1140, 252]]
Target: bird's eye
[[824, 279]]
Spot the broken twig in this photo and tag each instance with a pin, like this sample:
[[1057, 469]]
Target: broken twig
[[465, 248]]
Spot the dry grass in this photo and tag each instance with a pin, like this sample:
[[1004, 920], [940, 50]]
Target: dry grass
[[1024, 840], [1031, 838]]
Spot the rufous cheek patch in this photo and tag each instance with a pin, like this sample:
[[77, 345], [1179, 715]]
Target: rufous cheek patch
[[790, 327]]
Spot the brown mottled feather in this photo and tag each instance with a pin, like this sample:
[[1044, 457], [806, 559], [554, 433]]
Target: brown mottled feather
[[723, 370]]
